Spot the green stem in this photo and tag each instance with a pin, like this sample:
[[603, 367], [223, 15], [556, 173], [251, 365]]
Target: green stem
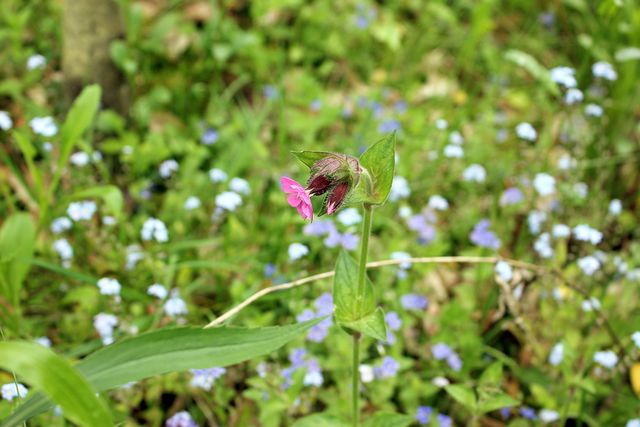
[[362, 269], [356, 379]]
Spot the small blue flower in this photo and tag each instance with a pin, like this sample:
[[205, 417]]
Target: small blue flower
[[528, 413], [441, 351], [511, 196], [423, 415], [393, 320], [209, 137], [389, 125], [414, 302], [483, 237], [388, 368]]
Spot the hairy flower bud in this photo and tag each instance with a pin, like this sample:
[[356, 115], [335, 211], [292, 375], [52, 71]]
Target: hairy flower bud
[[337, 196], [319, 185]]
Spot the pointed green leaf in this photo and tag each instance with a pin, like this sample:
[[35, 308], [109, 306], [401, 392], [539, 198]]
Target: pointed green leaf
[[388, 419], [78, 120], [497, 401], [371, 325], [310, 157], [169, 350], [492, 375], [17, 240], [532, 65], [463, 395], [320, 420], [45, 370], [379, 161], [345, 290]]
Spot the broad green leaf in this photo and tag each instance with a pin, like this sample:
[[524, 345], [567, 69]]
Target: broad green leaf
[[379, 160], [492, 375], [17, 240], [463, 395], [497, 401], [345, 290], [310, 157], [54, 375], [320, 420], [388, 419], [111, 195], [371, 325], [532, 65], [169, 350]]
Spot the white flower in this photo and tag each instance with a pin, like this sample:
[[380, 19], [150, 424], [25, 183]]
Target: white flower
[[566, 162], [134, 255], [442, 124], [504, 271], [349, 216], [81, 211], [44, 126], [456, 138], [556, 354], [153, 228], [109, 286], [564, 76], [453, 151], [581, 189], [607, 358], [157, 290], [438, 203], [402, 256], [542, 246], [474, 173], [593, 110], [168, 167], [366, 373], [297, 251], [43, 341], [535, 220], [589, 265], [635, 337], [573, 96], [192, 203], [104, 324], [313, 378], [440, 382], [405, 212], [175, 306], [615, 207], [604, 70], [79, 159], [544, 184], [64, 249], [548, 416], [561, 231], [5, 121], [108, 220], [217, 175], [526, 131], [61, 224], [228, 200], [12, 390], [585, 233], [239, 185], [399, 189], [591, 304], [633, 423], [36, 61]]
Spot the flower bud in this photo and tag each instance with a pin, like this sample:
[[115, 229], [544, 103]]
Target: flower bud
[[319, 185], [337, 196]]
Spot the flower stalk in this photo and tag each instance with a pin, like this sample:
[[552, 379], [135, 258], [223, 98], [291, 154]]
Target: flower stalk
[[362, 271]]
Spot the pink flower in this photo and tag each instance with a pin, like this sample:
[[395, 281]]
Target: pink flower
[[297, 197]]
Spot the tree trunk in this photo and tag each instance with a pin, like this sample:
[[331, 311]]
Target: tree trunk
[[89, 27]]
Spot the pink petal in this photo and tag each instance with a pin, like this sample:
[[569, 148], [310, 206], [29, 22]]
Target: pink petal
[[294, 200], [290, 186], [306, 211]]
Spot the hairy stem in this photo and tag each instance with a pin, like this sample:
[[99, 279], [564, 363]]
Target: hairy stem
[[362, 275]]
